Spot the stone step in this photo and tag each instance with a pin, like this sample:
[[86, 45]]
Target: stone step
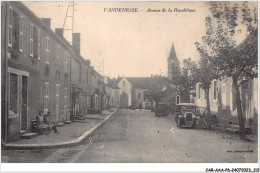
[[230, 130], [22, 131], [234, 126], [28, 135], [67, 122], [60, 124]]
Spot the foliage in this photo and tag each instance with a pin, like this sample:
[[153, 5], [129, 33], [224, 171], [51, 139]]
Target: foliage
[[186, 81], [228, 59]]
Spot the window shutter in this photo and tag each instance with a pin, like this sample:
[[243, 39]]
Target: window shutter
[[35, 42], [234, 98], [16, 27], [223, 97]]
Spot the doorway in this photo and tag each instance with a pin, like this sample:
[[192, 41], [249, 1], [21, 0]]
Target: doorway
[[24, 107], [18, 100]]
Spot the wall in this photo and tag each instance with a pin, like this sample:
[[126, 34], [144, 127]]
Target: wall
[[138, 101], [127, 89], [224, 106]]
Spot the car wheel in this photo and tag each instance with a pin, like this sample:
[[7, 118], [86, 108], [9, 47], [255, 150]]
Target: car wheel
[[202, 123], [194, 125], [176, 118]]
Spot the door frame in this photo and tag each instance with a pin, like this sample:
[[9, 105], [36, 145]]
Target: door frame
[[19, 74]]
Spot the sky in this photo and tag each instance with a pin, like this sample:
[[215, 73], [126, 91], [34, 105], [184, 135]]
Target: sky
[[131, 44]]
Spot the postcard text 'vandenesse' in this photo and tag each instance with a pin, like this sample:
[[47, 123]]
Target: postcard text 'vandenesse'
[[109, 10]]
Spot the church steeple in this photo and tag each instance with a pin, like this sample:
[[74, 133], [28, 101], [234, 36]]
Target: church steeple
[[172, 55], [173, 64]]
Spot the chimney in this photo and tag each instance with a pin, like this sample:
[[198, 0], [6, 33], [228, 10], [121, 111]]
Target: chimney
[[46, 21], [88, 61], [59, 32], [76, 42]]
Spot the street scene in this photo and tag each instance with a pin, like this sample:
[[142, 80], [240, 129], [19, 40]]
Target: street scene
[[129, 82], [134, 136]]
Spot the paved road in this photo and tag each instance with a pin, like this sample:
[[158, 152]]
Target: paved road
[[138, 136]]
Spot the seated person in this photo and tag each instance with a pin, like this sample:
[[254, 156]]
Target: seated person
[[47, 120], [41, 126]]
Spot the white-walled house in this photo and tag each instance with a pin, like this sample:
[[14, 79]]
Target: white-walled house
[[133, 90], [125, 93], [222, 98]]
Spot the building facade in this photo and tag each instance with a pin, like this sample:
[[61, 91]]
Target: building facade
[[222, 96], [40, 71]]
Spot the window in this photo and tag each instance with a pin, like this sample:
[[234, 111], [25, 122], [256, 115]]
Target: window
[[198, 91], [57, 94], [223, 97], [57, 75], [177, 99], [10, 26], [13, 94], [58, 56], [231, 97], [46, 98], [66, 63], [139, 96], [21, 34], [38, 48], [65, 95], [57, 101], [46, 50], [36, 43], [215, 89], [31, 40], [66, 78]]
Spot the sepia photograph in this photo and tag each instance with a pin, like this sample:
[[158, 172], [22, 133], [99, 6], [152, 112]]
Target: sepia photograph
[[130, 82]]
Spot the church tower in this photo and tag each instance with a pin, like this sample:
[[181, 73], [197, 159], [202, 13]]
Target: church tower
[[173, 64]]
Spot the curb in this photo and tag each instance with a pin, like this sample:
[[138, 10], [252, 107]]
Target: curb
[[61, 144]]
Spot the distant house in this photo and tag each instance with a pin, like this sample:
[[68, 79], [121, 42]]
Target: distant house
[[133, 90], [112, 92]]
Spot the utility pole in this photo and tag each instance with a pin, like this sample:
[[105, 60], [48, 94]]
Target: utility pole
[[68, 28], [68, 25]]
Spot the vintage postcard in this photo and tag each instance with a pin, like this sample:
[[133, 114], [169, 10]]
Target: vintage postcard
[[130, 82]]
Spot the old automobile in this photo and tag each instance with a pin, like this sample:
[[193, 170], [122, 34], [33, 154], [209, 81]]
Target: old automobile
[[161, 109], [132, 107], [187, 115]]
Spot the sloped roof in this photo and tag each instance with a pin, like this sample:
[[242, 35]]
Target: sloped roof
[[112, 83], [147, 82], [172, 55], [249, 40]]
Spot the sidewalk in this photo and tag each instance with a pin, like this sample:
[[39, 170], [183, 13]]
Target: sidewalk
[[70, 134]]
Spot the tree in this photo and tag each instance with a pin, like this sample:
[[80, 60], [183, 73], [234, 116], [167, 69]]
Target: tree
[[203, 71], [186, 81], [228, 59]]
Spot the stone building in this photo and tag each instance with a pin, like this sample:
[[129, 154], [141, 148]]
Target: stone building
[[40, 71]]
